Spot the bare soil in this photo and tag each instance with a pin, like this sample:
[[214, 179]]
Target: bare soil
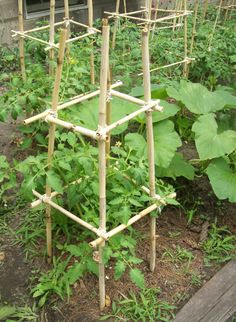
[[172, 278]]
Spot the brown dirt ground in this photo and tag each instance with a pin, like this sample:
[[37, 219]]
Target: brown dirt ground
[[172, 278]]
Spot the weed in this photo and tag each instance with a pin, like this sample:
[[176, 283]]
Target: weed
[[220, 245], [142, 307], [196, 279], [11, 313]]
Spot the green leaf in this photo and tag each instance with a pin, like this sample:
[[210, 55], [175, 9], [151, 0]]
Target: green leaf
[[137, 277], [177, 168], [135, 202], [211, 144], [87, 114], [124, 214], [75, 272], [6, 311], [197, 98], [168, 111], [74, 250], [3, 115], [54, 181], [64, 165], [166, 143], [71, 139], [222, 179], [119, 269], [137, 143]]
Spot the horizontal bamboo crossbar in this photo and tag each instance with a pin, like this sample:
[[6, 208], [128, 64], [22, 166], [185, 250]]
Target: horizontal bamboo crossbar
[[129, 117], [69, 214], [92, 32], [122, 227], [43, 27], [149, 21], [25, 34], [69, 126], [186, 60], [85, 26], [75, 100], [54, 194]]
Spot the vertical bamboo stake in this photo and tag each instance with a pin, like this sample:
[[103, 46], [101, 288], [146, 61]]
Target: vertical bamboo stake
[[102, 154], [125, 6], [67, 19], [156, 6], [21, 41], [181, 5], [150, 139], [51, 36], [174, 22], [185, 70], [116, 24], [196, 5], [55, 99], [90, 23], [215, 24], [205, 7], [108, 117]]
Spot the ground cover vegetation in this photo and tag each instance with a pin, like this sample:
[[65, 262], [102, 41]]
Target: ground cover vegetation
[[200, 112]]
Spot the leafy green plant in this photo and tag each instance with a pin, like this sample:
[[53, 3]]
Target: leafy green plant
[[178, 255], [7, 181], [21, 314], [220, 245], [146, 306]]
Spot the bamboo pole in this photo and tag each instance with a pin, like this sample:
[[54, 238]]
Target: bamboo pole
[[51, 36], [68, 41], [83, 25], [205, 7], [102, 155], [214, 27], [150, 140], [21, 40], [148, 21], [38, 202], [48, 201], [25, 35], [187, 60], [116, 22], [196, 5], [102, 133], [43, 27], [76, 100], [122, 227], [67, 19], [185, 69], [69, 126], [55, 98], [108, 116], [174, 22], [90, 23]]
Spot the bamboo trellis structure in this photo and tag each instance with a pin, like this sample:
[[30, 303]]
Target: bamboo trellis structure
[[105, 93], [51, 46], [148, 15]]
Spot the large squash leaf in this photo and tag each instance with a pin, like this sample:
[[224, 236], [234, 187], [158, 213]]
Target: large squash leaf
[[137, 143], [86, 114], [198, 99], [166, 143], [211, 144], [222, 179], [177, 168]]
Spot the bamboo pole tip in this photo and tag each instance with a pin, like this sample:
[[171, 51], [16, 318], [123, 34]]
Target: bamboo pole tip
[[104, 22]]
